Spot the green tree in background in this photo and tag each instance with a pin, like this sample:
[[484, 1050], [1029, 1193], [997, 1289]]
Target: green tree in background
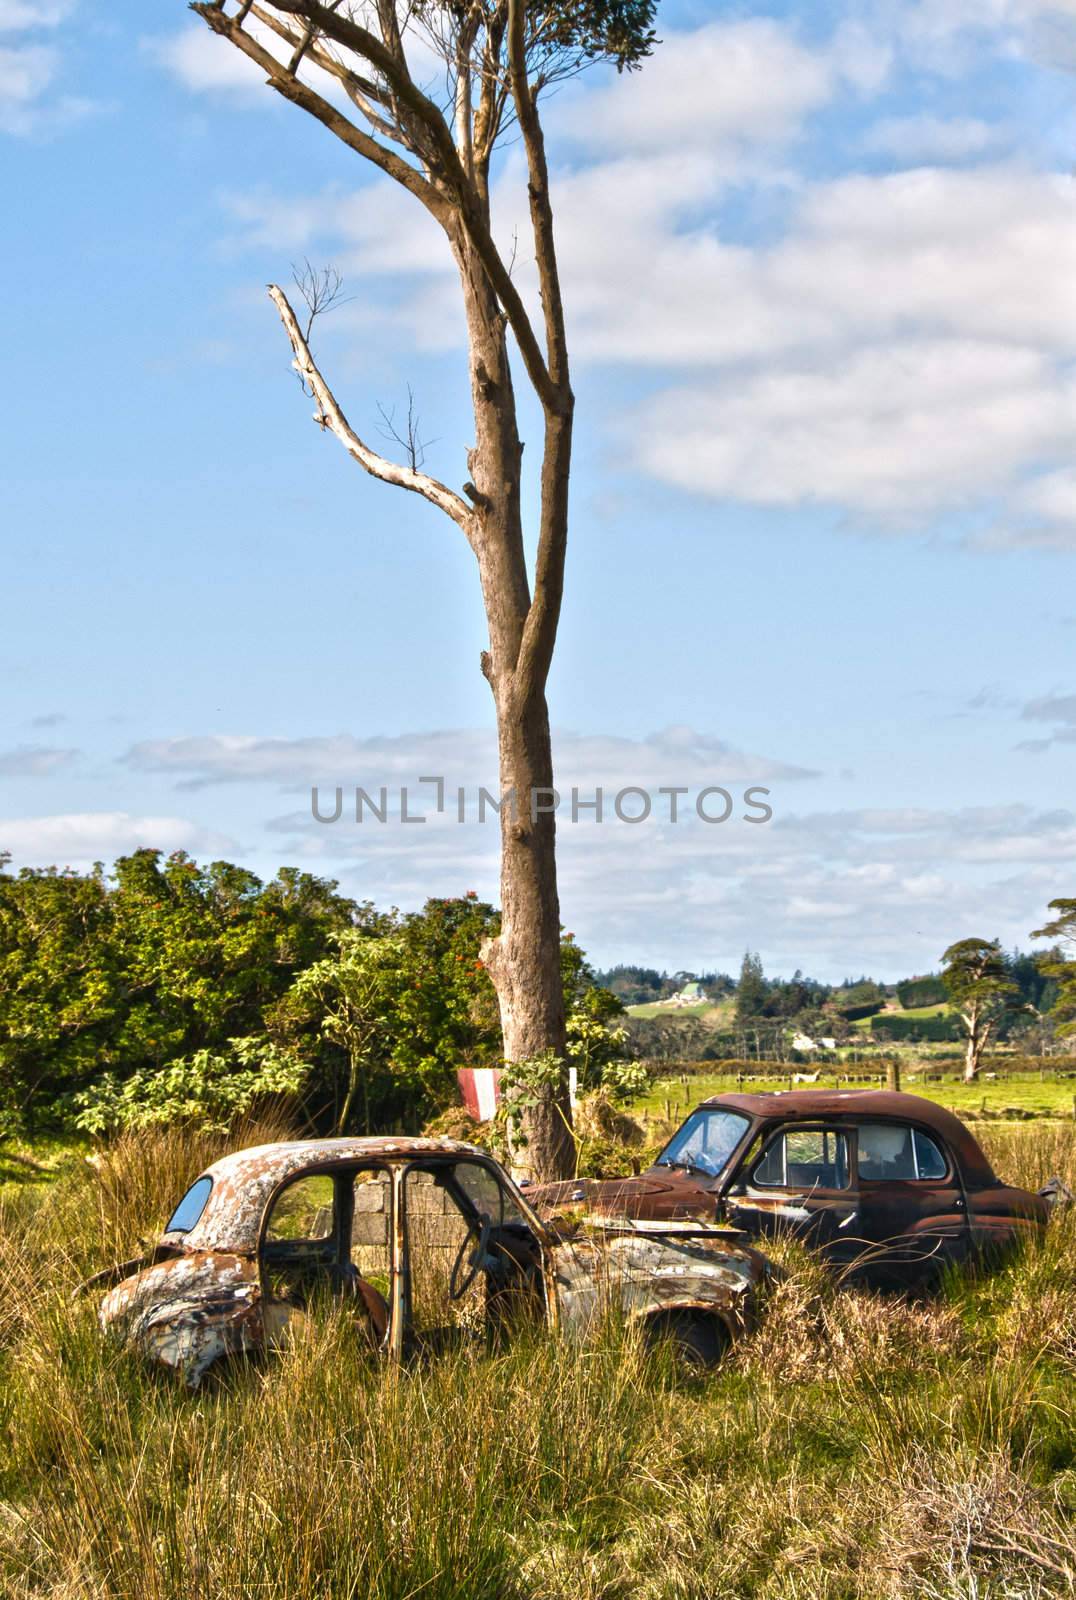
[[58, 985], [1058, 966], [168, 990], [398, 1005], [752, 991], [977, 980]]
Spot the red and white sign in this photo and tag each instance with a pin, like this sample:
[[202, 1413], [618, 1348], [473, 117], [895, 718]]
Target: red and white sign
[[481, 1090]]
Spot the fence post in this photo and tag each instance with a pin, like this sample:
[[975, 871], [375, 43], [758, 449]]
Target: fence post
[[892, 1074]]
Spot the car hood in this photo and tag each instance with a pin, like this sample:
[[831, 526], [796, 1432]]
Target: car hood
[[655, 1194]]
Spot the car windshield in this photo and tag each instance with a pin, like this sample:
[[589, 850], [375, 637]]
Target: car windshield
[[705, 1141]]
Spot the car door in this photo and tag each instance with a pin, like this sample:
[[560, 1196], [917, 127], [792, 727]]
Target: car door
[[913, 1209], [799, 1179], [474, 1264]]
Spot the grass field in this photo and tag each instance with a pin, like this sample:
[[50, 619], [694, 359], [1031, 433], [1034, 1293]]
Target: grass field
[[854, 1448], [705, 1009], [1022, 1093], [863, 1024]]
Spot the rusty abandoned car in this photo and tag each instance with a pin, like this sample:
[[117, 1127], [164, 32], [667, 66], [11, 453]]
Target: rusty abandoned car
[[889, 1186], [426, 1241]]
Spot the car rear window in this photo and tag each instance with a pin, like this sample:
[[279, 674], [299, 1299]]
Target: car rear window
[[897, 1153], [190, 1208]]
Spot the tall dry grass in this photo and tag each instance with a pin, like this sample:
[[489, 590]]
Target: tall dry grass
[[854, 1447]]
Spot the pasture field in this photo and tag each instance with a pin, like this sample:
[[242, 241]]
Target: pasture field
[[1022, 1093], [853, 1448], [940, 1010], [659, 1008]]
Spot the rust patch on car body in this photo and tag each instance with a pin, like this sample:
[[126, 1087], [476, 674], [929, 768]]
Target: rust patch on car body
[[243, 1183], [189, 1311], [643, 1274]]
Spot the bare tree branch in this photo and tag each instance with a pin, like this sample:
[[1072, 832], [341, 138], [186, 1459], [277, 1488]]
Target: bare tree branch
[[540, 628], [295, 90], [330, 415], [444, 159], [363, 92], [410, 440], [538, 194], [321, 291]]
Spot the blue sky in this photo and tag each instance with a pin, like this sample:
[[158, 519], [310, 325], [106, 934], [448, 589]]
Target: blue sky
[[821, 276]]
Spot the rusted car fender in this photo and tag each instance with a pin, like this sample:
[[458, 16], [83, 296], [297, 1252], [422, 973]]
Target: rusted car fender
[[189, 1311], [643, 1276]]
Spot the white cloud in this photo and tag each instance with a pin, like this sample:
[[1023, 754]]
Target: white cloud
[[26, 72], [1060, 709], [29, 70], [726, 84], [899, 431], [834, 893], [901, 347], [19, 16], [1052, 496], [380, 230], [207, 64], [467, 757], [34, 761], [986, 254], [79, 838], [204, 63], [922, 139]]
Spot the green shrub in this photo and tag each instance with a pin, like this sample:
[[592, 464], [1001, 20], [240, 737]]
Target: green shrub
[[853, 1013], [918, 1029], [915, 992]]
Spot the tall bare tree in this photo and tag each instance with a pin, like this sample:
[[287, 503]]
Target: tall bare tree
[[495, 58]]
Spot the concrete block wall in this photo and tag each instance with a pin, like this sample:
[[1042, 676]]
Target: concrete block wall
[[435, 1222]]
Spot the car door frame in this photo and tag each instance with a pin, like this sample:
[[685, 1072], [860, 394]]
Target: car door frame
[[764, 1208], [400, 1303], [343, 1180]]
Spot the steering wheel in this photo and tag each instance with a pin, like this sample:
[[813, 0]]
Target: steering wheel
[[462, 1276]]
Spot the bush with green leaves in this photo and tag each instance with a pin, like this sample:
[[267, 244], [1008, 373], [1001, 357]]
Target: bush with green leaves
[[204, 1090]]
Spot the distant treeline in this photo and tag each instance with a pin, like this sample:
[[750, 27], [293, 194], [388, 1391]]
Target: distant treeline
[[768, 1012]]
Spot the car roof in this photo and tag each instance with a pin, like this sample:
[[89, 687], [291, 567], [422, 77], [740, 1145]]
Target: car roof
[[802, 1105], [244, 1181]]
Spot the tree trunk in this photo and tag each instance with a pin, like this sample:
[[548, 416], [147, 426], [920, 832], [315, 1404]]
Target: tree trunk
[[973, 1051], [524, 960]]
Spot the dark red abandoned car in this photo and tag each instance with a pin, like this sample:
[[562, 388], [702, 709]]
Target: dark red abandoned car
[[889, 1185]]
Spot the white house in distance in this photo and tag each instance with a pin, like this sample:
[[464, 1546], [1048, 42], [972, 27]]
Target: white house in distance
[[692, 994]]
